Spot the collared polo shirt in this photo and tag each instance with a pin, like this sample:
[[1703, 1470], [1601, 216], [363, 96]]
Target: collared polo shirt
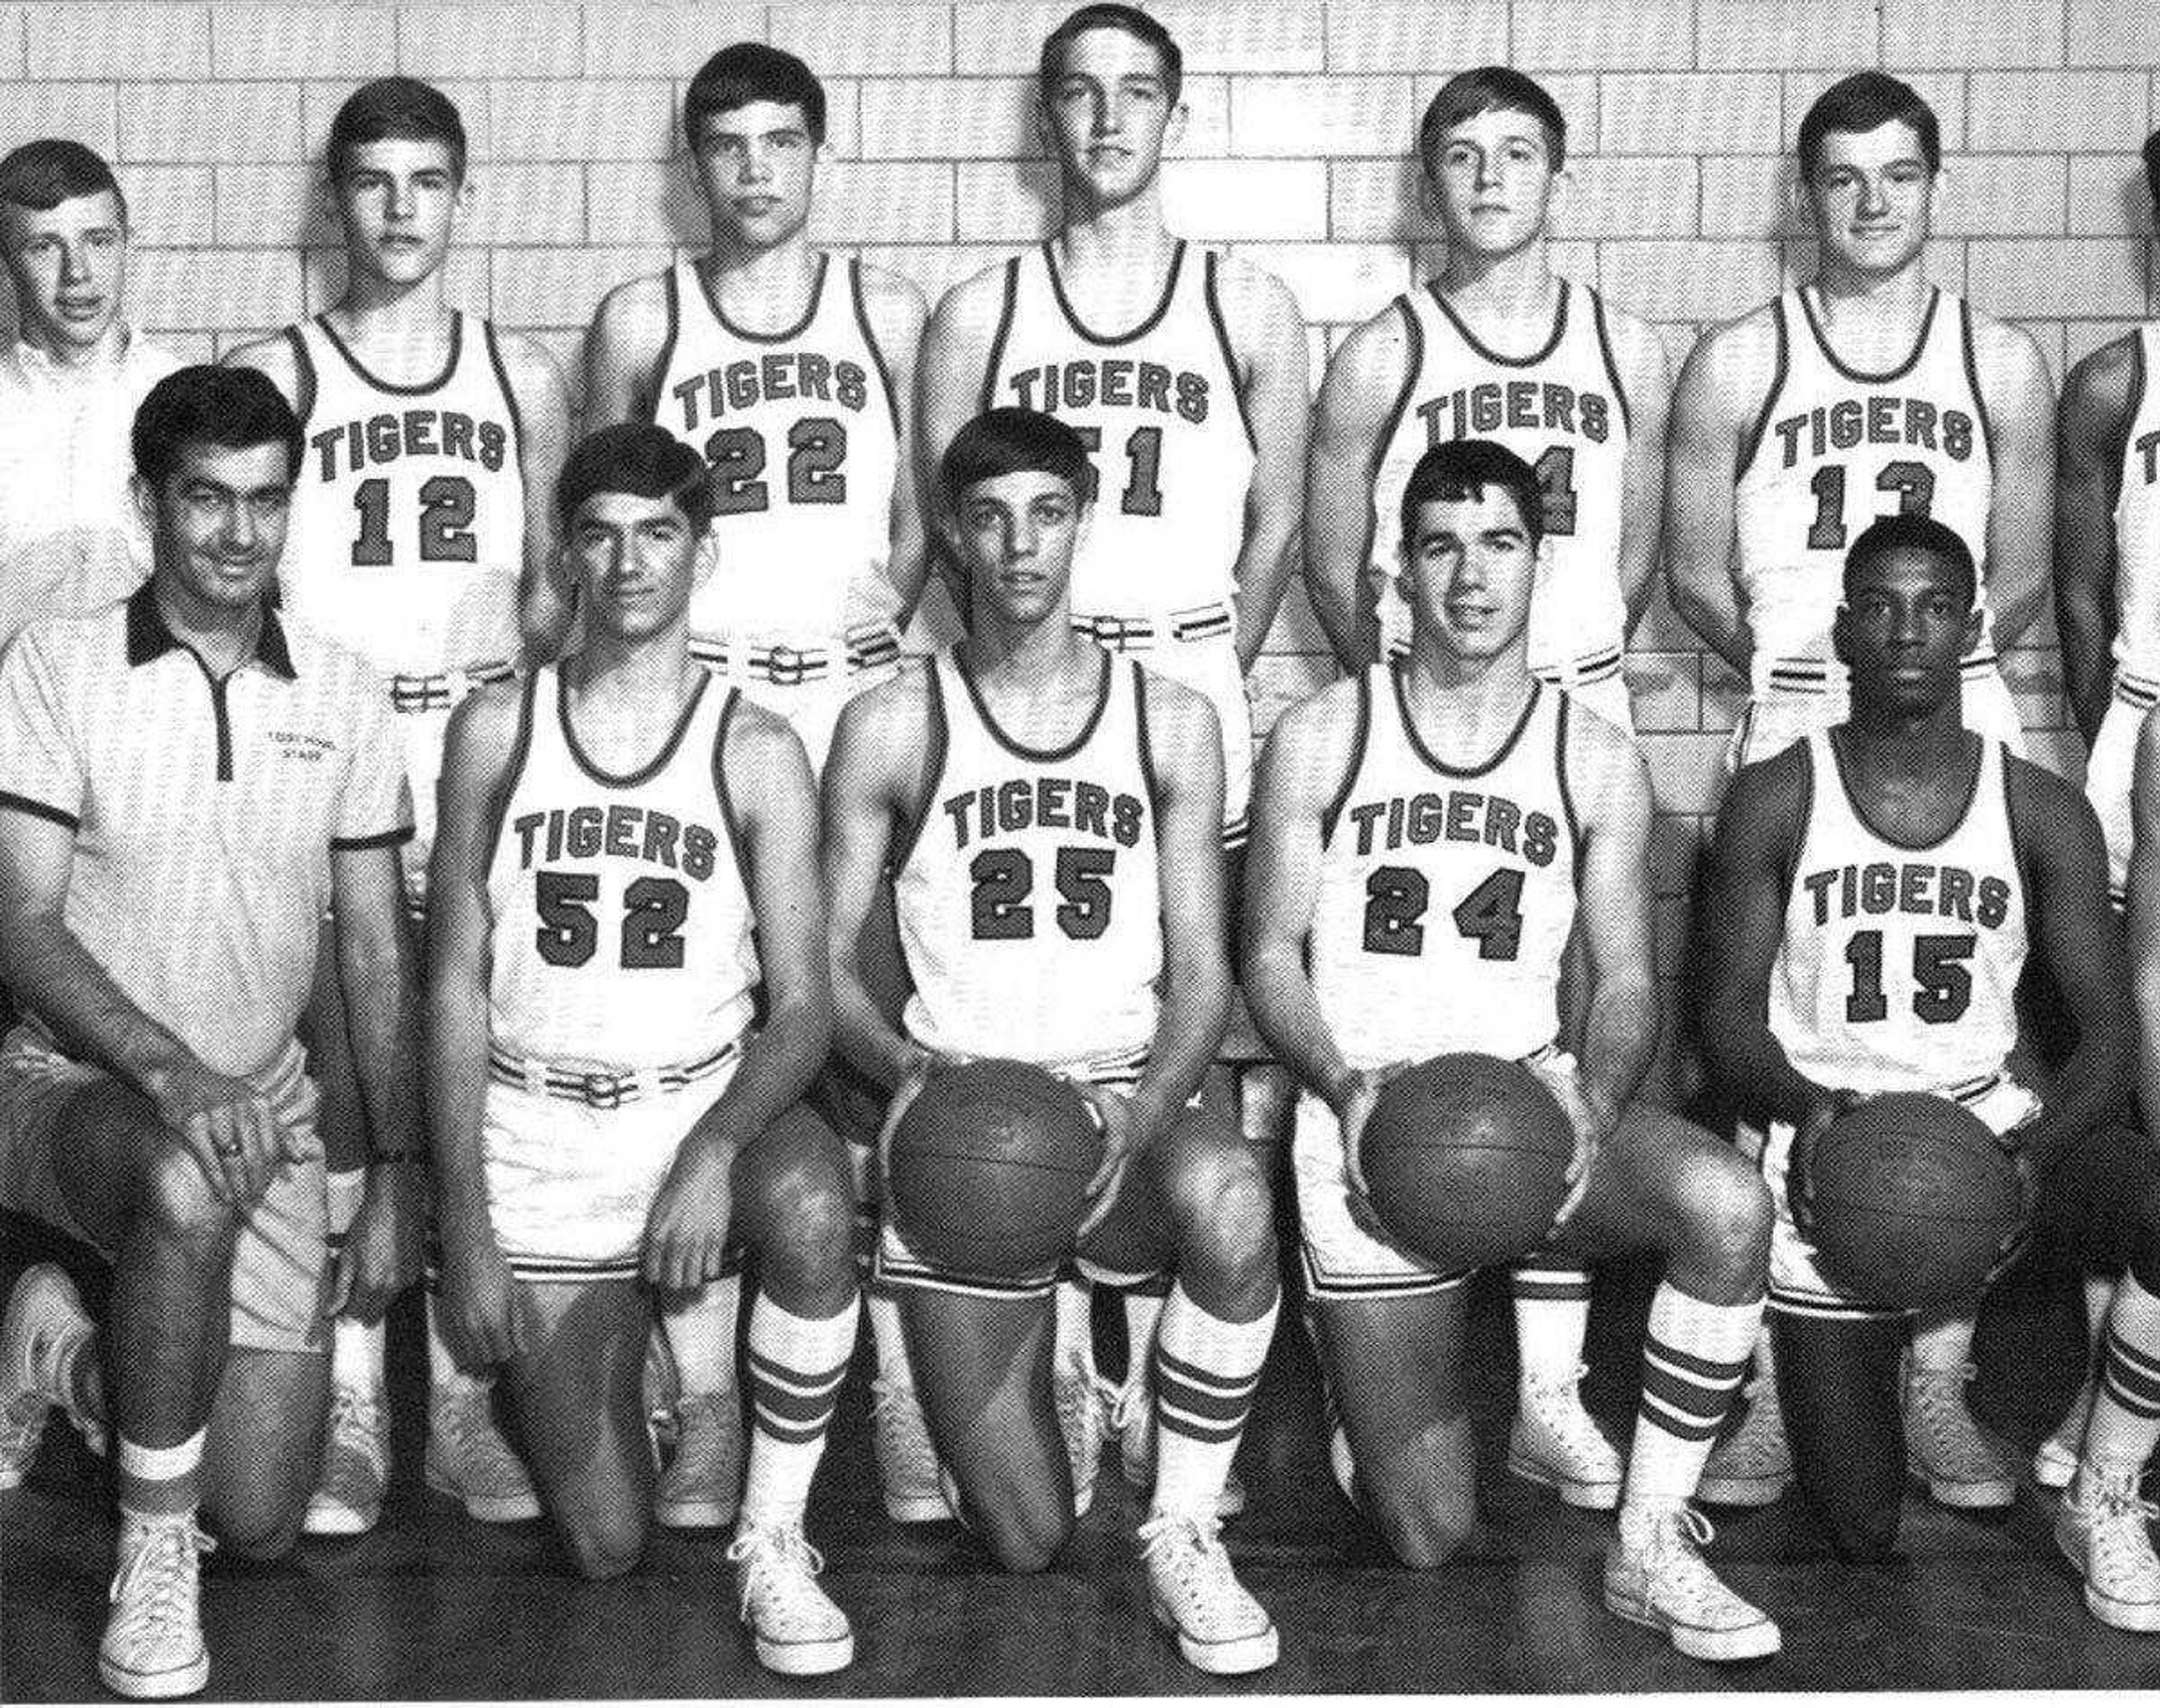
[[205, 810], [71, 538]]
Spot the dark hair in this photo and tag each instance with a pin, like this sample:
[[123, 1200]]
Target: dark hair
[[2152, 166], [1492, 89], [403, 109], [1459, 468], [642, 459], [1861, 102], [41, 175], [234, 408], [1887, 534], [1132, 22], [747, 71], [1015, 441]]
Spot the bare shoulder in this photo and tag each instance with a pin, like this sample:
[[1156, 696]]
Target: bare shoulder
[[1175, 714], [1637, 346], [2007, 354], [1373, 354], [2102, 383], [636, 311], [885, 291], [968, 313], [1767, 796], [2042, 797], [273, 356], [890, 719], [529, 362], [1606, 755], [485, 727], [1737, 355], [1251, 293], [1311, 749]]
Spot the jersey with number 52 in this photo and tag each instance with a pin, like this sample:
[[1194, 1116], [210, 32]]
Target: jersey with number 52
[[407, 533], [622, 935], [1446, 892]]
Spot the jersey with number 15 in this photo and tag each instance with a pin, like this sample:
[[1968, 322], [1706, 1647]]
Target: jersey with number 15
[[407, 533]]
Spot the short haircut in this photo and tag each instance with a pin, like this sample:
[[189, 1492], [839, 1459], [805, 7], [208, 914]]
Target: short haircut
[[1009, 441], [1132, 22], [747, 72], [1492, 89], [2152, 166], [642, 459], [234, 408], [40, 175], [402, 109], [1861, 102], [1460, 468], [1888, 534]]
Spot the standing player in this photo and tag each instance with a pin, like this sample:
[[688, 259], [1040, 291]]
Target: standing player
[[629, 850], [71, 537], [1187, 371], [1048, 810], [2107, 605], [188, 759], [420, 531], [791, 369], [1374, 941], [1877, 888], [1499, 348], [1868, 393]]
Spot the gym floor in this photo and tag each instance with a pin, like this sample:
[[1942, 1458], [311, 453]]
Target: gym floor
[[433, 1604]]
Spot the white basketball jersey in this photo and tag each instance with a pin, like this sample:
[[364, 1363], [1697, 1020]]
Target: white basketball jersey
[[2137, 523], [1028, 894], [1446, 892], [408, 532], [1833, 450], [1563, 411], [802, 431], [623, 923], [1160, 407], [1899, 968]]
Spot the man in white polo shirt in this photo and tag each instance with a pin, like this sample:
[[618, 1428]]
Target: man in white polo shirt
[[70, 537], [186, 784]]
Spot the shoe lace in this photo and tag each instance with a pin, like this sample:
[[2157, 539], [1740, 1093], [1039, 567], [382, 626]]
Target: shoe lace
[[1122, 1400], [354, 1417], [22, 1426], [2113, 1505], [157, 1583], [1560, 1407], [1672, 1551], [1189, 1543], [1939, 1397], [773, 1558]]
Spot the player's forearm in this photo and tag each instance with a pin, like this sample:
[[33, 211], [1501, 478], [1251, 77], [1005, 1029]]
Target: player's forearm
[[456, 1091], [1263, 572], [1712, 611], [1335, 581], [1188, 1031], [383, 1015], [2088, 664], [54, 976], [2093, 1087], [2016, 601], [1286, 1010], [865, 1040], [1746, 1061], [1620, 1036], [778, 1064]]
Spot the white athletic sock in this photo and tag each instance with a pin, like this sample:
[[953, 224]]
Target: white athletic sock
[[2099, 1294], [1206, 1371], [796, 1365], [1943, 1344], [1143, 1317], [1072, 1338], [1694, 1355], [701, 1333], [446, 1381], [1552, 1319], [889, 1340], [158, 1484], [356, 1347], [2125, 1414]]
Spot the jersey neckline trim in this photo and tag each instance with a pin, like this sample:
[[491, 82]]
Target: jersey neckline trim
[[1484, 350], [651, 768], [369, 377], [786, 335], [1111, 341], [1860, 375], [1499, 757], [1020, 749], [1860, 815]]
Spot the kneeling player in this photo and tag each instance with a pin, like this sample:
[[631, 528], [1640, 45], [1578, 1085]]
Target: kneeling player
[[1048, 810], [1876, 888], [628, 849], [1373, 942]]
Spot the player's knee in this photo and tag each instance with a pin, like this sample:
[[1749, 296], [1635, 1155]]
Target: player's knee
[[175, 1196], [1860, 1534], [1024, 1537], [1426, 1531], [603, 1544], [812, 1223], [257, 1524], [1725, 1215], [1227, 1215]]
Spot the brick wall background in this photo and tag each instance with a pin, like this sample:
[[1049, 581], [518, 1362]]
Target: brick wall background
[[1680, 112]]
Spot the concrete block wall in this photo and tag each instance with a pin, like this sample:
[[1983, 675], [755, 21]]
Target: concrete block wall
[[1680, 112]]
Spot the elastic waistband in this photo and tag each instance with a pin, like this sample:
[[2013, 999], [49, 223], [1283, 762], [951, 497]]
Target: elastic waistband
[[602, 1087], [1130, 631], [442, 691], [1586, 672], [867, 646], [1795, 676]]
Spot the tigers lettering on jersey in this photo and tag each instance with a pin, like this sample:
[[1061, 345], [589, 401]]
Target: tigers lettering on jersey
[[1516, 406], [1919, 887], [1050, 803], [793, 376], [1111, 384], [414, 432], [1882, 419], [1461, 815], [620, 831]]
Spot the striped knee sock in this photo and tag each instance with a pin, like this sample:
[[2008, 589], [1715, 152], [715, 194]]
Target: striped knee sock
[[2125, 1414], [1552, 1317], [1693, 1359], [1206, 1371], [796, 1365]]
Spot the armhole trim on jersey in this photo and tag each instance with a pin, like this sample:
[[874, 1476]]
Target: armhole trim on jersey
[[725, 796], [1208, 291], [1798, 844], [303, 376], [673, 291], [1359, 738], [1413, 369], [521, 750], [2136, 406], [1146, 742], [990, 392], [502, 379], [2018, 853], [869, 340], [935, 749], [1611, 363], [653, 767], [14, 802], [1561, 719], [1972, 378], [1754, 443]]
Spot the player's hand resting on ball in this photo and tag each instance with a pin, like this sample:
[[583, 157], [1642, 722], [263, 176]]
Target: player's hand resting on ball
[[1353, 1099], [1823, 1113], [904, 1094], [686, 1231], [1590, 1131], [1127, 1130]]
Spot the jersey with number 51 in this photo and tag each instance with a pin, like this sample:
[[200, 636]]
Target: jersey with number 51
[[407, 533], [1446, 892]]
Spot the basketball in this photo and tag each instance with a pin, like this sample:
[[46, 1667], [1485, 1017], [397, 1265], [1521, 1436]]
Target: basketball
[[1466, 1158], [1914, 1197], [990, 1167]]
